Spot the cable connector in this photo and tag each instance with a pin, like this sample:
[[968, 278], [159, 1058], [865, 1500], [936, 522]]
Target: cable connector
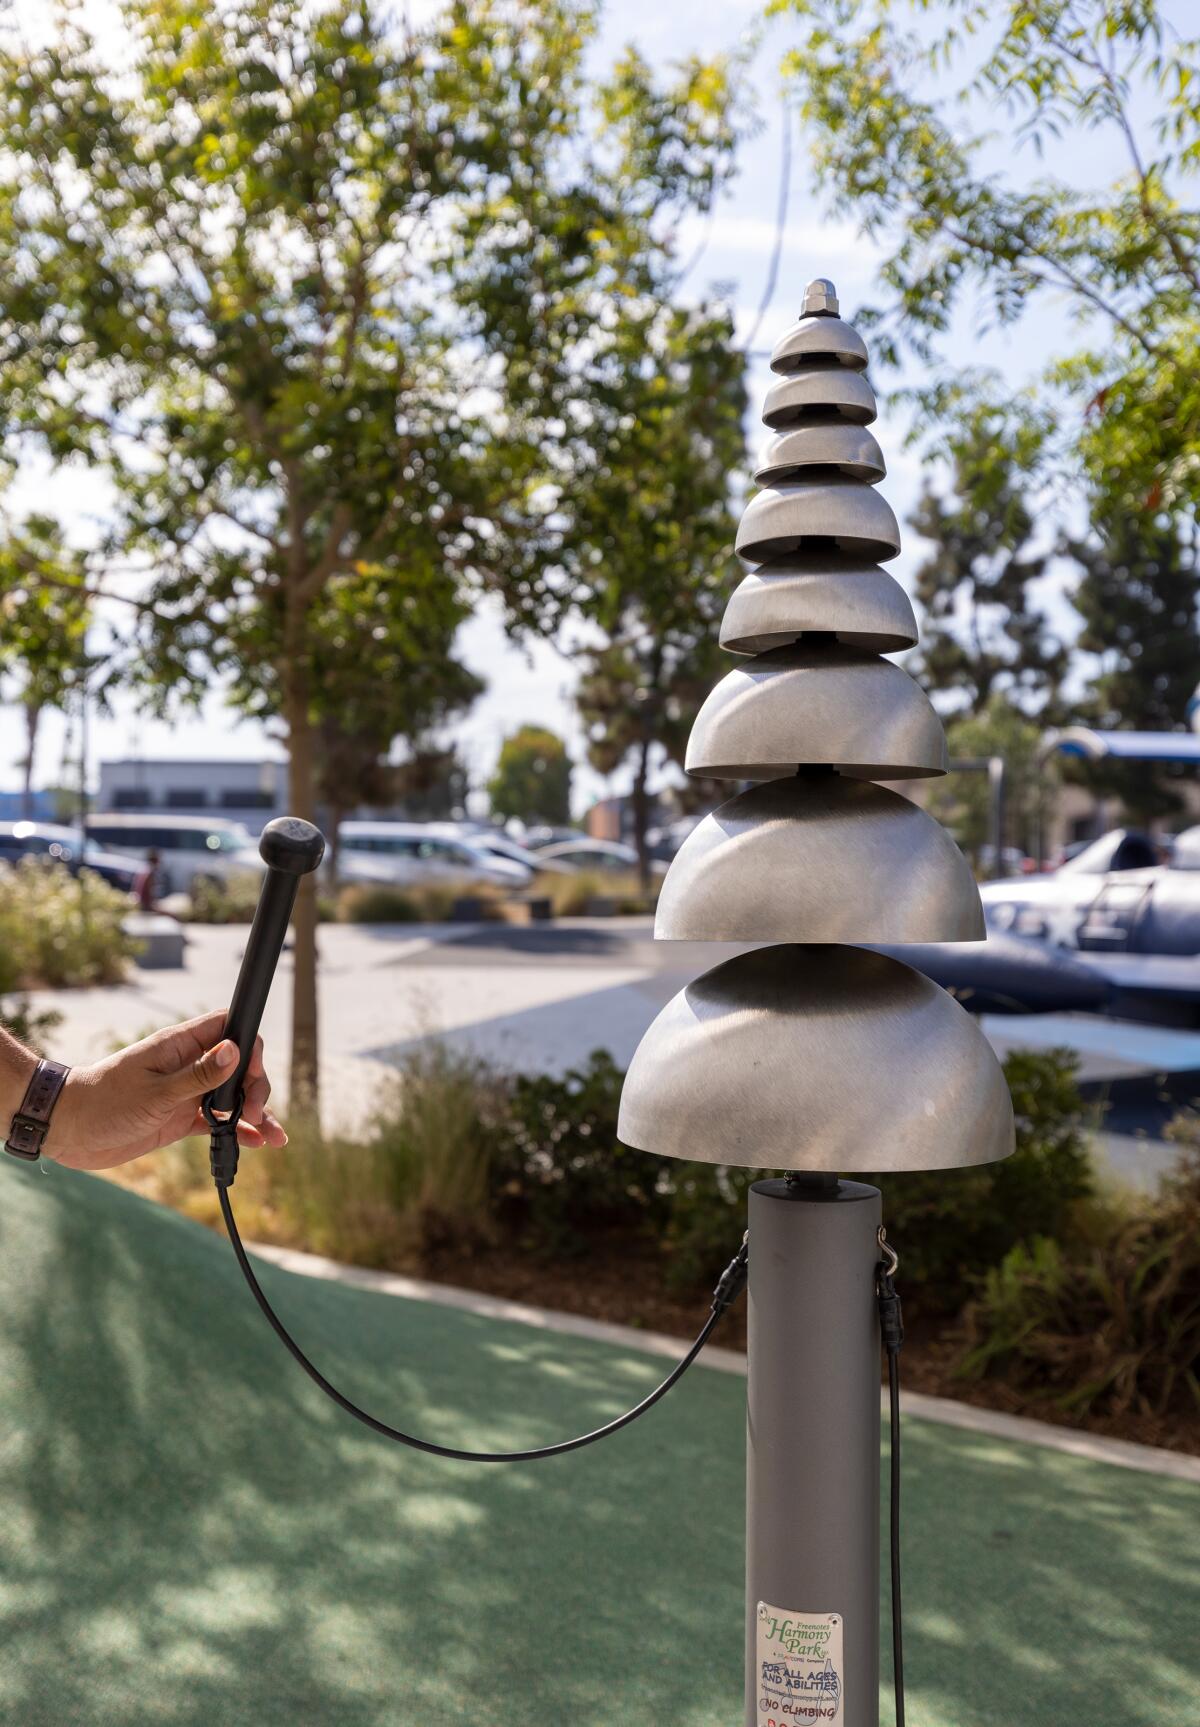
[[891, 1317], [223, 1149], [732, 1280], [223, 1152]]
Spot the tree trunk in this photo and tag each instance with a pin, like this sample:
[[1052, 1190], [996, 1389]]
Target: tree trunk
[[304, 1094], [33, 717], [641, 814]]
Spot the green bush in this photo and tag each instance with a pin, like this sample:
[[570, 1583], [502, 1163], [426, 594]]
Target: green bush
[[950, 1227], [708, 1216], [370, 902], [417, 1178], [229, 901], [57, 929], [458, 1153], [571, 894], [234, 900], [28, 1026], [362, 904], [1112, 1324], [559, 1172]]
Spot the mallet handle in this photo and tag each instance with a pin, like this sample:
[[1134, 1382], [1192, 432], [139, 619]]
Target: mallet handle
[[290, 848]]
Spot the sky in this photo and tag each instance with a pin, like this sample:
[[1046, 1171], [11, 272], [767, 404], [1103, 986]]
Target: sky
[[533, 682]]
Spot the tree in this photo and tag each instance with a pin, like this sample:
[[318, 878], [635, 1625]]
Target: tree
[[430, 784], [319, 293], [963, 801], [532, 781], [381, 670], [1114, 419], [44, 614], [651, 555], [983, 636], [891, 114], [1138, 599]]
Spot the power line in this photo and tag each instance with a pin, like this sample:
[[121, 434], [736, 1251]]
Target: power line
[[785, 180]]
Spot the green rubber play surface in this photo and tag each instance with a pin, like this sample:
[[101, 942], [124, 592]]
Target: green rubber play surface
[[191, 1537]]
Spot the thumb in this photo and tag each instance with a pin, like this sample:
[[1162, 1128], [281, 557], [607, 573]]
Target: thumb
[[207, 1071]]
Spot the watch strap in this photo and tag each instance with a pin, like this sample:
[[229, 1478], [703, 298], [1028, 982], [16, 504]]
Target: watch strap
[[32, 1121]]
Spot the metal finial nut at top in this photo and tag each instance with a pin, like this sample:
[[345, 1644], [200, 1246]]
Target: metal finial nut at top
[[820, 299]]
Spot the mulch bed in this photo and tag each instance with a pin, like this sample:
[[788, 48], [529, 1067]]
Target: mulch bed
[[624, 1283]]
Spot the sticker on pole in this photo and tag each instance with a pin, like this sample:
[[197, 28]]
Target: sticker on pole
[[800, 1672]]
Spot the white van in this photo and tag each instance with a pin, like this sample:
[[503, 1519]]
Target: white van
[[190, 848]]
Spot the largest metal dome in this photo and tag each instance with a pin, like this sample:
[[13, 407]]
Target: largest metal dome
[[811, 1055]]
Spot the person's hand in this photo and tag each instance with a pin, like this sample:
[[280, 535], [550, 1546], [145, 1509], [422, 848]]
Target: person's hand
[[149, 1095]]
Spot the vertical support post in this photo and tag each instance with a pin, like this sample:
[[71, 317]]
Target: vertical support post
[[997, 771], [812, 1488]]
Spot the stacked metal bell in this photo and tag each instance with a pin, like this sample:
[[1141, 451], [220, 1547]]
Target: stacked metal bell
[[814, 1055]]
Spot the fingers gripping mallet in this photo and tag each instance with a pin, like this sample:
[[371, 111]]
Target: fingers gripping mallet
[[290, 848]]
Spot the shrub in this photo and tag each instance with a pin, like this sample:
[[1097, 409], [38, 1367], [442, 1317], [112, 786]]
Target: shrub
[[363, 904], [1111, 1324], [570, 895], [708, 1213], [417, 1178], [371, 902], [229, 901], [57, 929], [952, 1226], [456, 1151], [559, 1172], [26, 1025]]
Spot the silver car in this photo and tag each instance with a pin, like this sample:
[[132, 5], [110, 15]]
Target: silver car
[[413, 854]]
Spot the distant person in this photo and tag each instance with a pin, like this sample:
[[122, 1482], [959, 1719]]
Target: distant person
[[135, 1101], [145, 883]]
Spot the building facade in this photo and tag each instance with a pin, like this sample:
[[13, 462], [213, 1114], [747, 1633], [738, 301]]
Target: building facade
[[252, 792]]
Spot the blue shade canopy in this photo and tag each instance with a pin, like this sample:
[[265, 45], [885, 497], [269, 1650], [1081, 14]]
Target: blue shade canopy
[[1093, 746]]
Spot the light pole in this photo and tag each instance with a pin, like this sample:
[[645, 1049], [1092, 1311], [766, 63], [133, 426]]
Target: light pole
[[814, 1057]]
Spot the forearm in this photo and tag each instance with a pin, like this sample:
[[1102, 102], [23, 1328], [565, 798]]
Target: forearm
[[16, 1069]]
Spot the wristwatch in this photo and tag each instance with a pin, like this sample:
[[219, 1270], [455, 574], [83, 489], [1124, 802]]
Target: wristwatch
[[32, 1121]]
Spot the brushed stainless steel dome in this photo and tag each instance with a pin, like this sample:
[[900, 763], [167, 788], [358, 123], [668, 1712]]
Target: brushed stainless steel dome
[[820, 1058], [859, 604], [822, 389], [819, 857], [833, 443], [819, 337], [856, 518], [826, 706]]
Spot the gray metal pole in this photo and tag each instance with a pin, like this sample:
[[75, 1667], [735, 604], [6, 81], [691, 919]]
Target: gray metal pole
[[812, 1489]]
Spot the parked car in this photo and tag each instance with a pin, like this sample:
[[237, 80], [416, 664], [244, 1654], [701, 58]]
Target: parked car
[[47, 839], [190, 849], [607, 856], [1013, 860], [499, 845], [1119, 849], [538, 838], [416, 854]]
